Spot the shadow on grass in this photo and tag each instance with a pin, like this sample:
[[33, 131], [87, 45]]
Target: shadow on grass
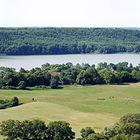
[[58, 88]]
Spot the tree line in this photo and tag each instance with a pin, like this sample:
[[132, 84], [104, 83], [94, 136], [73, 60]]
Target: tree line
[[33, 41], [127, 128], [57, 75]]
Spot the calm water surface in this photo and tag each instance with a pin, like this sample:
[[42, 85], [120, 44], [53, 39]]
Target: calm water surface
[[32, 61]]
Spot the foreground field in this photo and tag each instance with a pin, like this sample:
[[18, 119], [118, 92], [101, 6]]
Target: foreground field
[[95, 106]]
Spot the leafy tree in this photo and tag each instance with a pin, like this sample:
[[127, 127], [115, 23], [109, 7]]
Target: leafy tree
[[108, 76], [110, 131], [60, 131], [15, 101], [33, 130], [55, 82], [130, 118], [85, 132], [81, 78], [26, 130], [128, 128], [11, 129], [136, 75], [22, 85], [120, 137]]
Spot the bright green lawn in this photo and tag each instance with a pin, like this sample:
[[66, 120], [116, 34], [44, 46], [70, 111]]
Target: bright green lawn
[[95, 106]]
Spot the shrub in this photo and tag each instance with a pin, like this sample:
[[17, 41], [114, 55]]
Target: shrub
[[9, 103]]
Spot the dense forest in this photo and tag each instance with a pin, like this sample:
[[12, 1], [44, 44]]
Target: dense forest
[[57, 75], [32, 41]]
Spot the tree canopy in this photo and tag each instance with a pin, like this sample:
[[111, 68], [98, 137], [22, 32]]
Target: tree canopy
[[57, 75], [32, 41], [36, 130]]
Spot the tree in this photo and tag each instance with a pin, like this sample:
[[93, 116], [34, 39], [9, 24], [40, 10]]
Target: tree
[[110, 131], [81, 78], [14, 101], [10, 78], [130, 118], [22, 85], [126, 76], [136, 75], [60, 131], [120, 137], [88, 76], [55, 82], [26, 130], [11, 129], [107, 75], [128, 128], [130, 124], [33, 130], [85, 132]]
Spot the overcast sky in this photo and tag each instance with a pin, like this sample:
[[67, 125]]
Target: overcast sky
[[70, 13]]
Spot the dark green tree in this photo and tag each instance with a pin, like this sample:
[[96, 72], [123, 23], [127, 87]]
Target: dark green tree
[[26, 130], [22, 85], [108, 76], [14, 101], [85, 132], [55, 82], [11, 129], [60, 131]]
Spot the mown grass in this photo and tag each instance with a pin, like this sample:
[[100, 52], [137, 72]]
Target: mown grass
[[95, 106]]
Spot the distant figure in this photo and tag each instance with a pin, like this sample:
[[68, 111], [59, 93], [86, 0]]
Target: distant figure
[[34, 100]]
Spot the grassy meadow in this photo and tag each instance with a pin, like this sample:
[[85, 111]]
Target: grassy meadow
[[95, 106]]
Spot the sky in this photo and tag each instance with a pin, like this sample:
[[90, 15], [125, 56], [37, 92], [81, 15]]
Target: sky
[[69, 13]]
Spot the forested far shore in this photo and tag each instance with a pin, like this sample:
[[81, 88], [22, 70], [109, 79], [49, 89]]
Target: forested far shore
[[57, 75], [40, 41]]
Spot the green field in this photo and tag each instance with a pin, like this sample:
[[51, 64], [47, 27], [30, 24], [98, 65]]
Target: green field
[[95, 106]]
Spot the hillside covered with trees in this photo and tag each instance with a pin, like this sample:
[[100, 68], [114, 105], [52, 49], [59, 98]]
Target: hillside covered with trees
[[33, 41]]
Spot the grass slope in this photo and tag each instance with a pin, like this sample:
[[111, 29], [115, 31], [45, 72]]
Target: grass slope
[[95, 106]]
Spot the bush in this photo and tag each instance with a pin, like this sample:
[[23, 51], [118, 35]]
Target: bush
[[9, 103]]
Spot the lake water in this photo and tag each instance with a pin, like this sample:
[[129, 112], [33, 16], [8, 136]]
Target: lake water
[[32, 61]]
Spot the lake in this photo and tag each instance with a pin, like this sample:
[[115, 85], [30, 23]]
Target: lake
[[32, 61]]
